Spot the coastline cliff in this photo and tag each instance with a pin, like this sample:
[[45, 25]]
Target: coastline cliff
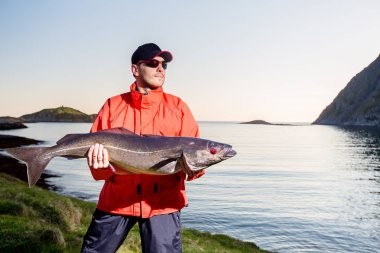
[[358, 104]]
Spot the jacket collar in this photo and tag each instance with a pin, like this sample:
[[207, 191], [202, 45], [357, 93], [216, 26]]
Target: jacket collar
[[151, 99]]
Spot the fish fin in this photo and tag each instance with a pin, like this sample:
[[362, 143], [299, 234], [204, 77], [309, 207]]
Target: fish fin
[[67, 137], [119, 130], [72, 157], [163, 163], [35, 163]]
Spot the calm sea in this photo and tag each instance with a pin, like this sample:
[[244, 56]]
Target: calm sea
[[290, 188]]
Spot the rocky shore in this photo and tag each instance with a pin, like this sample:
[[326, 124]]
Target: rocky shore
[[7, 123]]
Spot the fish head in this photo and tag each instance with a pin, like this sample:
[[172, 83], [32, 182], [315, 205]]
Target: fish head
[[204, 153]]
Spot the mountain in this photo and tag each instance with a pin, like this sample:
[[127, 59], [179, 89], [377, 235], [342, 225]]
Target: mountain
[[358, 104], [60, 114]]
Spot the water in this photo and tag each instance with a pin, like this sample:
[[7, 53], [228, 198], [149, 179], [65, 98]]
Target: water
[[290, 188]]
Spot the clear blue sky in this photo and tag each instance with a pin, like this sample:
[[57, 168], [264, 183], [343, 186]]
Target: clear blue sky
[[233, 60]]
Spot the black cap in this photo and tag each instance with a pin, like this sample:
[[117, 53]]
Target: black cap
[[148, 52]]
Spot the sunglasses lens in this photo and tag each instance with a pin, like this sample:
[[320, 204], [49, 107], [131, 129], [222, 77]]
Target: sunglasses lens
[[152, 63], [155, 63]]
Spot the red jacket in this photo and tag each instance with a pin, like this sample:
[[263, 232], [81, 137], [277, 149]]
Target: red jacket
[[154, 113]]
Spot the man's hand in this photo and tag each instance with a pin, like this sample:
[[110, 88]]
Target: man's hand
[[97, 158]]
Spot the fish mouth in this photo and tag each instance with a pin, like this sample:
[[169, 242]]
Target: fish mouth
[[229, 153]]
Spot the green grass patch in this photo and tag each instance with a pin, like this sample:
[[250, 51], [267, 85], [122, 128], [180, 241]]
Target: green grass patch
[[36, 220]]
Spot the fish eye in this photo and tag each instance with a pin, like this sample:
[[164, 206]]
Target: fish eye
[[213, 151]]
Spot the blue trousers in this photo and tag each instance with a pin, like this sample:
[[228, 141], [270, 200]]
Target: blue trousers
[[159, 234]]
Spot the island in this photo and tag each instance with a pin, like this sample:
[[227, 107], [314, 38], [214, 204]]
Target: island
[[263, 122], [59, 114]]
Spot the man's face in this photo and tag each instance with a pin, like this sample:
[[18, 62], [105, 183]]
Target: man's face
[[149, 77]]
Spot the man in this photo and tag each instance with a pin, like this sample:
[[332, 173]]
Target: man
[[154, 202]]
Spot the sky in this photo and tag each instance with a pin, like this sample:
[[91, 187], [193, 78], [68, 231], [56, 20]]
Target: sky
[[279, 61]]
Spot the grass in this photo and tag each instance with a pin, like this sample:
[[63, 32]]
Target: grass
[[36, 220]]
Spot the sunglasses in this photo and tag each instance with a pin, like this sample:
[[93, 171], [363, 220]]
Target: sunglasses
[[154, 63]]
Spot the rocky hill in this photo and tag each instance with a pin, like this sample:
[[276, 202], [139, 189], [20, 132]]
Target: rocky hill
[[60, 114], [358, 104]]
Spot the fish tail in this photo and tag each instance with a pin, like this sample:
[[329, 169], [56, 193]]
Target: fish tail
[[35, 161]]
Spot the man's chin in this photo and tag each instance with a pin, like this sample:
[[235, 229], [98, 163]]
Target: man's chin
[[155, 86]]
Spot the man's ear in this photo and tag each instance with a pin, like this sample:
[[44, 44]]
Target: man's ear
[[135, 70]]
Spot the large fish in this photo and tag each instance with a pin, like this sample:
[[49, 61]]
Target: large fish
[[151, 154]]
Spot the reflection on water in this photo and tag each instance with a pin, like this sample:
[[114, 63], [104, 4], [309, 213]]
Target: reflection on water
[[366, 146], [289, 189]]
